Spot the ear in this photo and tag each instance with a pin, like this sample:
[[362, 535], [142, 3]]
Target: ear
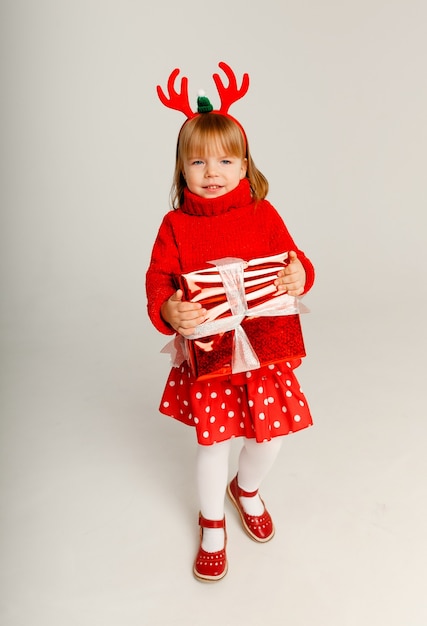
[[244, 169]]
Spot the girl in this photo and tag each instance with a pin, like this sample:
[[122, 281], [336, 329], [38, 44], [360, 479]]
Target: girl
[[220, 210]]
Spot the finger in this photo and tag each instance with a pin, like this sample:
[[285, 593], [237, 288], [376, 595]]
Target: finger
[[293, 281], [185, 332], [291, 284], [177, 295], [296, 292], [186, 327], [279, 278], [192, 314], [281, 285], [189, 307], [292, 256]]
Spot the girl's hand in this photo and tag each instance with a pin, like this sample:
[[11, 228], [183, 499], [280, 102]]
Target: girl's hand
[[292, 278], [182, 316]]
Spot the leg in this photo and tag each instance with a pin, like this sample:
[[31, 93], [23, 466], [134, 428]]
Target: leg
[[212, 472], [212, 476], [255, 461]]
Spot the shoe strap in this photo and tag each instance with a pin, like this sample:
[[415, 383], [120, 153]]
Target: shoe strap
[[246, 494], [209, 523]]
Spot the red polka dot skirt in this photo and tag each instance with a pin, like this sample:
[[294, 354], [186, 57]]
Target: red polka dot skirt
[[261, 404]]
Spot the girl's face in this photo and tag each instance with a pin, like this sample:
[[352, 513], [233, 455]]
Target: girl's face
[[214, 174]]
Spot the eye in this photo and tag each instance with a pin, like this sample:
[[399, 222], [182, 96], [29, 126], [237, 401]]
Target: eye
[[197, 162], [226, 161]]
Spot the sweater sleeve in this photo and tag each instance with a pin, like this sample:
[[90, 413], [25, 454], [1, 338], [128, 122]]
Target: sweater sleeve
[[281, 239], [159, 283]]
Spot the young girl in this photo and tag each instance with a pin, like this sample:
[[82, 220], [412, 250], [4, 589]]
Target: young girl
[[220, 210]]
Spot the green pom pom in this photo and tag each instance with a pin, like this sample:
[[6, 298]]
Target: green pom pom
[[204, 105]]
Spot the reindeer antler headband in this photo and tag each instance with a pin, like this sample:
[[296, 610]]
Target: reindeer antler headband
[[228, 95]]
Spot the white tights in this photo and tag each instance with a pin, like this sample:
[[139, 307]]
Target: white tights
[[255, 461]]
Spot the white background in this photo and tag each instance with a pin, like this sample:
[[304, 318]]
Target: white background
[[99, 514]]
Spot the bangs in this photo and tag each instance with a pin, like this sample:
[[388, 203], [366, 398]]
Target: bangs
[[211, 133]]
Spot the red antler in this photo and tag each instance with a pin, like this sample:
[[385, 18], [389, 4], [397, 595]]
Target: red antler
[[230, 94], [177, 101]]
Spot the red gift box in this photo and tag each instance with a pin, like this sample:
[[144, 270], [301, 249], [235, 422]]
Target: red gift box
[[249, 323]]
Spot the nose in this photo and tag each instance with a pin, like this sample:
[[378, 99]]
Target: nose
[[210, 170]]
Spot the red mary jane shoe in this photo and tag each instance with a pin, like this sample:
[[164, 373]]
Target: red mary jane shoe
[[210, 566], [259, 528]]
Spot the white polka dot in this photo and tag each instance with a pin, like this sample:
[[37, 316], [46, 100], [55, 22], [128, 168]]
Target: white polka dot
[[279, 373], [172, 383], [185, 402], [212, 419], [260, 389], [208, 409], [166, 404], [222, 429], [288, 364], [270, 399], [230, 413], [242, 425], [266, 401], [297, 418], [251, 403], [284, 409], [196, 420], [239, 400], [277, 385], [206, 434], [243, 414], [228, 392], [289, 382], [198, 395], [261, 416], [248, 374], [271, 367], [289, 394], [276, 424], [301, 403], [214, 394]]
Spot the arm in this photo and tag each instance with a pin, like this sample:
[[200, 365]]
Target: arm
[[298, 277], [166, 309], [159, 281]]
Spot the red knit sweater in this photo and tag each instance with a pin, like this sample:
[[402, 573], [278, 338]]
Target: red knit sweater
[[202, 230]]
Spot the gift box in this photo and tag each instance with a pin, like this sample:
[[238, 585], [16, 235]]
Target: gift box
[[249, 323]]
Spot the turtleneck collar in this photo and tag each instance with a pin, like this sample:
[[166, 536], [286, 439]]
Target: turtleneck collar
[[208, 207]]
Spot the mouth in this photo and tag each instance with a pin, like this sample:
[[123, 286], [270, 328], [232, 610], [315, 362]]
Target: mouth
[[213, 187]]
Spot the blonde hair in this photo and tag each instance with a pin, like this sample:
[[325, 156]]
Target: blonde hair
[[205, 132]]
